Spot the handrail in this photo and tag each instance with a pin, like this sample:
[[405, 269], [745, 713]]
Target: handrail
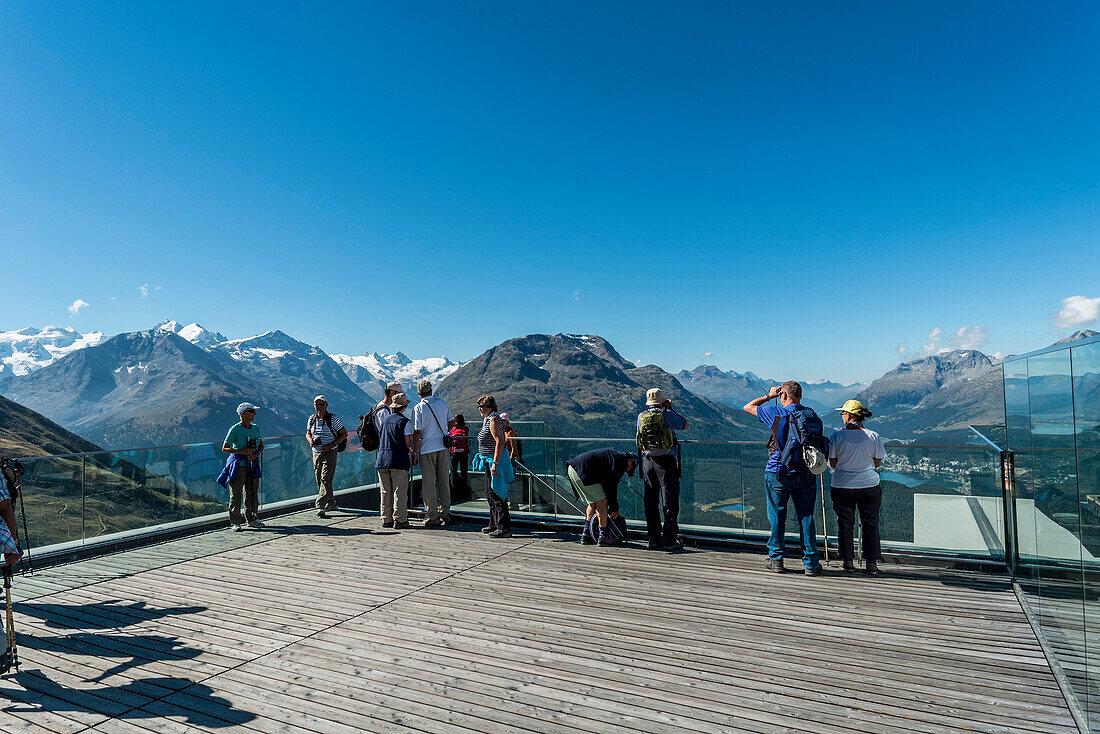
[[547, 484], [985, 438], [570, 439], [699, 442]]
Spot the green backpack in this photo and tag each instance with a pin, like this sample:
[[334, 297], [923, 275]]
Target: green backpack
[[654, 431]]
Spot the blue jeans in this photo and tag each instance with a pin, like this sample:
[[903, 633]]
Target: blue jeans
[[802, 489]]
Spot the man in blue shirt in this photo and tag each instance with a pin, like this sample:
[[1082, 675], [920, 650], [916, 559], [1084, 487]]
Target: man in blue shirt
[[661, 468], [782, 484]]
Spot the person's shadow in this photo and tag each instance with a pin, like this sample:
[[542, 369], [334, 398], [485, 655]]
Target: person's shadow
[[97, 631], [196, 703]]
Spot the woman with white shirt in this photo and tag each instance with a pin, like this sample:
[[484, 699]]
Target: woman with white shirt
[[855, 453]]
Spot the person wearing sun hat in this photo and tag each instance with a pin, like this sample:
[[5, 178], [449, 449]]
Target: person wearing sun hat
[[244, 445], [393, 461], [855, 453]]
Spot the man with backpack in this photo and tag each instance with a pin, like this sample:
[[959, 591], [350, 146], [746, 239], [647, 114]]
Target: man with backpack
[[657, 426], [796, 434], [371, 423], [327, 437]]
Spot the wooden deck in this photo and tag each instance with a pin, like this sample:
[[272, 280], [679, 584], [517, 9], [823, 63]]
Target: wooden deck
[[337, 626]]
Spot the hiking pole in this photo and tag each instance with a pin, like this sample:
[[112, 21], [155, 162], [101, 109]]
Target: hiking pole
[[11, 653], [824, 520]]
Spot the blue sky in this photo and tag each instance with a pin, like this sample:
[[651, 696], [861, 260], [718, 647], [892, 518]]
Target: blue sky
[[788, 188]]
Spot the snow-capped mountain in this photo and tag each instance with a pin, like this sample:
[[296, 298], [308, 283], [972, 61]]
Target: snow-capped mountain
[[194, 333], [373, 371], [26, 350]]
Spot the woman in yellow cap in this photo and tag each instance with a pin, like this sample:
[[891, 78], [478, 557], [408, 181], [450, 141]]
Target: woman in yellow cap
[[855, 453]]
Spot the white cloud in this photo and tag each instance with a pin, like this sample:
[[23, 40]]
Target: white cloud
[[114, 298], [934, 341], [576, 295], [77, 306], [902, 349], [706, 354], [143, 291], [968, 337], [1077, 311]]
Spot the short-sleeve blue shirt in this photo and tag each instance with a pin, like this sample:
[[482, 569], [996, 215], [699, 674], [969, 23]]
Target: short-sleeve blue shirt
[[767, 415]]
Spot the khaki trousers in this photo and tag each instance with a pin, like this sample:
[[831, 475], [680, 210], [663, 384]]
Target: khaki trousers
[[242, 486], [435, 469], [394, 488], [324, 467]]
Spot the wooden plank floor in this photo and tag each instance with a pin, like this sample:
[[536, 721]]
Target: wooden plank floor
[[337, 626]]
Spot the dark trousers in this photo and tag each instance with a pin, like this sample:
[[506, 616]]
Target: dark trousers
[[662, 483], [499, 519], [460, 478], [845, 502]]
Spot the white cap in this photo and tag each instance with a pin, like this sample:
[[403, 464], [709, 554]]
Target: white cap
[[321, 399], [245, 406]]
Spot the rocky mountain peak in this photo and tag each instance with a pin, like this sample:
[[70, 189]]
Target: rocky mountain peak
[[1077, 336]]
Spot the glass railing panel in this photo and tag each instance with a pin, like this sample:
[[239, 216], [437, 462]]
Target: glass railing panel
[[1085, 363], [942, 500], [129, 490], [1053, 479], [53, 500]]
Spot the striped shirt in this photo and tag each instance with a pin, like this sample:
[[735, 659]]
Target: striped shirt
[[486, 444], [324, 430]]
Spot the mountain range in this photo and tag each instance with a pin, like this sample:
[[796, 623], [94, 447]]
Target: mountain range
[[23, 432], [373, 371], [581, 386], [735, 389], [181, 384]]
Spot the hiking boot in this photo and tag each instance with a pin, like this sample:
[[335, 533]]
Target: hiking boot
[[498, 533], [433, 523], [587, 539], [321, 513], [401, 525], [5, 662], [387, 523], [813, 570], [849, 566], [605, 540], [255, 524], [675, 545], [330, 506], [654, 545], [488, 529], [775, 565], [236, 527], [872, 568]]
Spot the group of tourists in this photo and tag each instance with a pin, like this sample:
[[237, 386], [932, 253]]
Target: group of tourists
[[798, 452], [430, 436], [439, 442]]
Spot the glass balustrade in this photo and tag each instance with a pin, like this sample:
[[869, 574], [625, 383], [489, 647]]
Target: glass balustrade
[[936, 500]]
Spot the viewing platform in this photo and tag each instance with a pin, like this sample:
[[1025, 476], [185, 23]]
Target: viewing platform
[[333, 626]]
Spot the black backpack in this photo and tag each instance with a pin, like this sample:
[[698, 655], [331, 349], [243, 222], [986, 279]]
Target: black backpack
[[368, 431]]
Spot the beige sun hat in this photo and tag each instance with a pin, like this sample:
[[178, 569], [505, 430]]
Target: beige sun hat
[[654, 396], [394, 387], [398, 401]]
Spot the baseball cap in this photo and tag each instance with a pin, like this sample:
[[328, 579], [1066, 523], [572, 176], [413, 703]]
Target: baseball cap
[[245, 406]]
